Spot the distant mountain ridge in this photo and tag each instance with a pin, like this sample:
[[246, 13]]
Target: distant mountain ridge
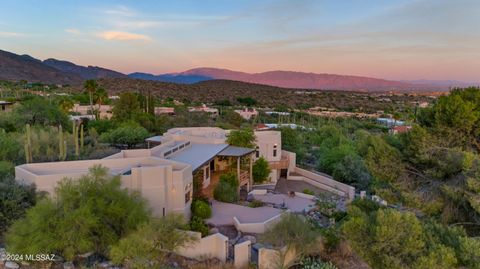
[[25, 67], [89, 72], [289, 79]]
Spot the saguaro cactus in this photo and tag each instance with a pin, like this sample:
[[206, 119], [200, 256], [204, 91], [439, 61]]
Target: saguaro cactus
[[81, 137], [62, 145], [28, 144], [75, 139]]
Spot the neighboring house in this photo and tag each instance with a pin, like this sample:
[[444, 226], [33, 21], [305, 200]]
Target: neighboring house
[[277, 113], [390, 122], [204, 108], [247, 113], [6, 106], [400, 129], [104, 111], [159, 110]]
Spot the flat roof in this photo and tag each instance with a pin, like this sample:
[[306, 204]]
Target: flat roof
[[115, 166], [157, 138], [198, 154], [233, 151]]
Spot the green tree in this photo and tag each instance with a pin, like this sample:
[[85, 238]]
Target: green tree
[[385, 238], [150, 244], [242, 138], [39, 111], [352, 170], [129, 134], [295, 234], [88, 214], [127, 107], [260, 170]]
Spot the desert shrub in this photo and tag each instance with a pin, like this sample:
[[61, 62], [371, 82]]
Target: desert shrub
[[15, 199], [88, 214], [201, 209], [260, 170], [256, 203], [227, 188], [197, 224], [314, 263], [149, 245], [308, 191]]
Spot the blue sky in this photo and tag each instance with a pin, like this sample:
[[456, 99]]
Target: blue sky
[[393, 39]]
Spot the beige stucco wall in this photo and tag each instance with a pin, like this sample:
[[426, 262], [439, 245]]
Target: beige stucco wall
[[256, 227], [212, 246], [324, 182], [162, 183], [266, 140], [272, 258], [241, 256]]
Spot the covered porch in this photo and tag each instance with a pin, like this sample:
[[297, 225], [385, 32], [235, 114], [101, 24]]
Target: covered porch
[[232, 159]]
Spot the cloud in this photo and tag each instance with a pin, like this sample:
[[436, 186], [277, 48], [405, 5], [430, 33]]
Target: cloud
[[121, 11], [122, 36], [73, 31], [10, 34]]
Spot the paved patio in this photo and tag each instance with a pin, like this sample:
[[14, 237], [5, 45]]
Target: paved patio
[[294, 204], [223, 213], [285, 186]]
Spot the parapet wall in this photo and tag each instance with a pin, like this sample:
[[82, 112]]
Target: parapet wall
[[323, 182]]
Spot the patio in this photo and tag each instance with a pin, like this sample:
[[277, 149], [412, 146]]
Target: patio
[[223, 213], [294, 204]]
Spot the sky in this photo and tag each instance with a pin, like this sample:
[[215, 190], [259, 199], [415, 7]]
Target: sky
[[391, 39]]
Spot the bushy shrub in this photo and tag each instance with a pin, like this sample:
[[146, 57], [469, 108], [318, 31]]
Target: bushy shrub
[[227, 188], [197, 224], [260, 170], [315, 263], [88, 214], [201, 209], [308, 191], [256, 203], [15, 199]]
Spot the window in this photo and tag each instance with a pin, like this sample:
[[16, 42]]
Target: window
[[275, 150], [257, 152]]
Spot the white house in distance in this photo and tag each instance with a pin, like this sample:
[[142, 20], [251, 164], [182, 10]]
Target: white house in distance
[[104, 111], [204, 108], [247, 113], [164, 173]]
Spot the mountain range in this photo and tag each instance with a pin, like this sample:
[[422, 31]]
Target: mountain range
[[24, 67]]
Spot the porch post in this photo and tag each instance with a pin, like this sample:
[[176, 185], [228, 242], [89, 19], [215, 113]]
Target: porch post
[[250, 181], [238, 172]]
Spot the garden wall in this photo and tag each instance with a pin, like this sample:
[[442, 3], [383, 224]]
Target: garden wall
[[212, 246]]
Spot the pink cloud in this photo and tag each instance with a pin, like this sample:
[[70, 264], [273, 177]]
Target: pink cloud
[[123, 36]]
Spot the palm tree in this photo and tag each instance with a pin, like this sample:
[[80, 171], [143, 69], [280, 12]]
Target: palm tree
[[90, 86]]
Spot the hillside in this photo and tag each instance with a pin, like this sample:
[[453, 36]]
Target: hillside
[[18, 67], [25, 67], [85, 72], [220, 90], [289, 79]]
